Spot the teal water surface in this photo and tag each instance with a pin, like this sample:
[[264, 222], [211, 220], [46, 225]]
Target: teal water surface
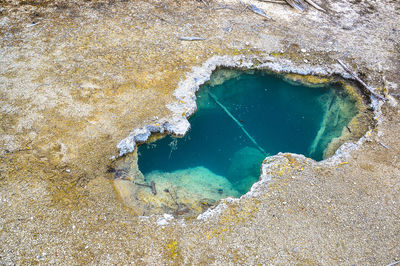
[[280, 116]]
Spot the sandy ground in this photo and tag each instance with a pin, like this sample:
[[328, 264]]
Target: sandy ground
[[77, 77]]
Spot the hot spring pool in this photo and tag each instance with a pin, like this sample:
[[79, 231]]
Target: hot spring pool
[[242, 117]]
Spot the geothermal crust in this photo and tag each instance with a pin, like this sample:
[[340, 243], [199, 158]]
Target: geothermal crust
[[77, 77]]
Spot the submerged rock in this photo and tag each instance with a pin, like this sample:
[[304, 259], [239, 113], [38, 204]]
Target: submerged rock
[[179, 192], [339, 111], [246, 160]]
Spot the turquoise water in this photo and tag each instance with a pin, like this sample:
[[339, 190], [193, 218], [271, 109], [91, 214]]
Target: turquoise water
[[278, 115]]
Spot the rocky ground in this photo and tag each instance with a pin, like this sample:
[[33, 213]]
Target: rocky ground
[[77, 76]]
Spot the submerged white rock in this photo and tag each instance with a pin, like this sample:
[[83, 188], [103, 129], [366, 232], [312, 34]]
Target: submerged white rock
[[190, 186]]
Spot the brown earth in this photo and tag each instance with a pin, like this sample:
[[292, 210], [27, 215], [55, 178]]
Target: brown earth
[[77, 76]]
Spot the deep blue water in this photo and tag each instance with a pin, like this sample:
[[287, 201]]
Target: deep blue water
[[280, 116]]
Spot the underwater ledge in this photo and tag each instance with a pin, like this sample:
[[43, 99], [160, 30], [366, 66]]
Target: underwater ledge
[[185, 106]]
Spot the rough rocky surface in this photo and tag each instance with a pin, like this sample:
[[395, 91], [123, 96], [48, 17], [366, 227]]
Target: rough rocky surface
[[77, 76]]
